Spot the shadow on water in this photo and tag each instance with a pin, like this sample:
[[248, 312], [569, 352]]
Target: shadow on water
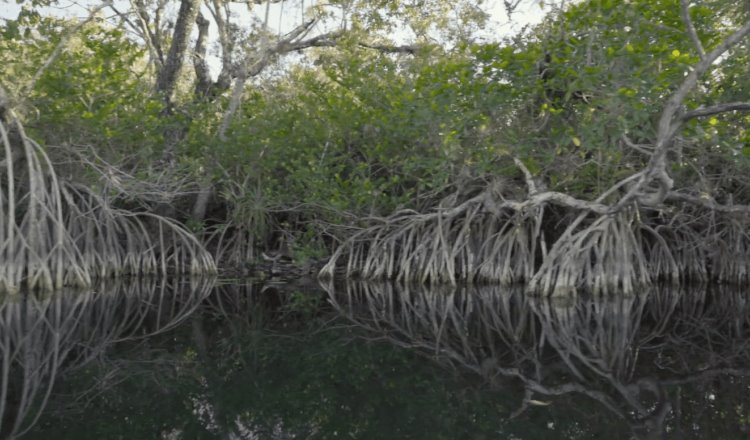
[[43, 337], [669, 362]]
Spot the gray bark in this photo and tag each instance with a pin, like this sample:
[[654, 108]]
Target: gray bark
[[167, 78], [203, 83]]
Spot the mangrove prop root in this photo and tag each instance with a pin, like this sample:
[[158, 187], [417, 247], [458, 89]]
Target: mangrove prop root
[[54, 233], [488, 239]]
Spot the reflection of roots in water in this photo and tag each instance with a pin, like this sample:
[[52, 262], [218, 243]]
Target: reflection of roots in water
[[42, 337], [589, 345]]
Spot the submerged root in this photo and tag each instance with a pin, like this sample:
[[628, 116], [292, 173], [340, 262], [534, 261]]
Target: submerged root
[[55, 234]]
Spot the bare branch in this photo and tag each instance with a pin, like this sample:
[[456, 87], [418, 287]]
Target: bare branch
[[323, 40], [141, 28], [667, 126], [262, 58], [684, 5], [716, 109], [645, 149], [557, 198], [331, 40], [670, 122], [407, 48], [534, 200], [299, 31], [527, 175], [226, 42], [709, 202]]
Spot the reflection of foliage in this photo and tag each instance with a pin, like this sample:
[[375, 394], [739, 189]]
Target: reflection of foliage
[[243, 368], [248, 364], [44, 337], [635, 356], [366, 128]]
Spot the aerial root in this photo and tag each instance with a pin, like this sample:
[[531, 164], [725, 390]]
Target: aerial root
[[485, 240], [54, 233]]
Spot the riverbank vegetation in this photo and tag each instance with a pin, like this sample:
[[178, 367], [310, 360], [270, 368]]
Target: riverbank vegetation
[[606, 147]]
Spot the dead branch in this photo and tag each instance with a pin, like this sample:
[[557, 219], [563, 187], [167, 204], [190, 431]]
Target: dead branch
[[252, 66], [226, 42], [323, 40], [142, 29]]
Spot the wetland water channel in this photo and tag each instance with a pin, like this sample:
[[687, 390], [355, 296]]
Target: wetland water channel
[[207, 359]]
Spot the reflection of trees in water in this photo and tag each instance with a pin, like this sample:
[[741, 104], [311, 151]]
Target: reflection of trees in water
[[175, 384], [227, 332], [622, 352], [42, 337]]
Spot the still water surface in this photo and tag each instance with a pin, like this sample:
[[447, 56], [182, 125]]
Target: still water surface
[[200, 359]]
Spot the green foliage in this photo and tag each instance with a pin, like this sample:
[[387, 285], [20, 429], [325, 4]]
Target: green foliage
[[363, 132], [367, 134], [95, 93]]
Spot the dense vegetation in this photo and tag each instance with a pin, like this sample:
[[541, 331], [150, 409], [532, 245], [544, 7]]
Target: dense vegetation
[[605, 147]]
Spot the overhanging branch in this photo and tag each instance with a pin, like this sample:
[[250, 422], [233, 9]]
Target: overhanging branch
[[671, 121], [716, 109], [387, 48], [323, 40]]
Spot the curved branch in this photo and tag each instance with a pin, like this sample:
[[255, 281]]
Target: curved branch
[[671, 121], [527, 175]]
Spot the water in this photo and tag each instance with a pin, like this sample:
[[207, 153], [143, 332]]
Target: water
[[195, 359]]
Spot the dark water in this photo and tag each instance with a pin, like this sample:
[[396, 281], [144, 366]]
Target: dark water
[[197, 359]]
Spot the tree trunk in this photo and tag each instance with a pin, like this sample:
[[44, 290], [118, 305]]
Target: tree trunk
[[203, 83], [165, 82]]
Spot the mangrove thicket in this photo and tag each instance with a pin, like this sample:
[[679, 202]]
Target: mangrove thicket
[[606, 147]]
